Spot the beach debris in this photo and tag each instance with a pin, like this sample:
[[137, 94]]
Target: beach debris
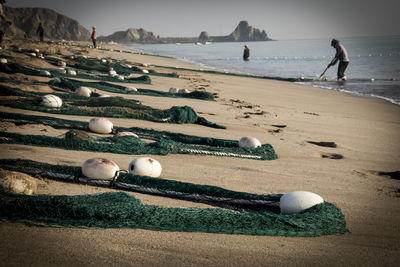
[[36, 50], [324, 144], [372, 80], [51, 101], [104, 96], [173, 90], [145, 71], [100, 168], [298, 201], [100, 125], [130, 88], [103, 60], [145, 65], [45, 72], [17, 183], [145, 166], [120, 134], [120, 77], [32, 54], [3, 60], [331, 156], [183, 91], [83, 91], [249, 142]]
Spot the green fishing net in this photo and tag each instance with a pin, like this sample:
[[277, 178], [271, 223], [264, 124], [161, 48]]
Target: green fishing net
[[113, 107], [121, 210], [166, 142], [72, 84]]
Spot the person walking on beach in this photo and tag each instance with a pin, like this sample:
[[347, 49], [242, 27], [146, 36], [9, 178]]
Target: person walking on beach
[[342, 57], [246, 53], [4, 23], [40, 31], [94, 36]]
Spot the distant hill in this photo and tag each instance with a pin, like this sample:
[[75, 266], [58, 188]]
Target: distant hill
[[57, 26], [243, 33]]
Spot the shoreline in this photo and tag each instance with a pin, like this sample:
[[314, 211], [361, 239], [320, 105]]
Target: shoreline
[[300, 79], [365, 131]]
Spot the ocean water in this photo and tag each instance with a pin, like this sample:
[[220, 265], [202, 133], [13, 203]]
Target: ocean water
[[373, 71]]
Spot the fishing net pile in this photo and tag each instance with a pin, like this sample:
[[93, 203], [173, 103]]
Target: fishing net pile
[[72, 84], [12, 68], [114, 107], [165, 142], [117, 210]]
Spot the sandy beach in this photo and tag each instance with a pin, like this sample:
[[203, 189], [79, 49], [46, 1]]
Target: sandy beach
[[283, 114]]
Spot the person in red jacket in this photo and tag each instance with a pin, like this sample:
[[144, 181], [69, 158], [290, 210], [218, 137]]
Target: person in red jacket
[[94, 36]]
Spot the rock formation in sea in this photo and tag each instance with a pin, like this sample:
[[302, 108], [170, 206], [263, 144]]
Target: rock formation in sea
[[243, 33]]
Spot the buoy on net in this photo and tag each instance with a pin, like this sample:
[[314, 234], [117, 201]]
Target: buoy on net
[[100, 168], [130, 88], [3, 60], [83, 91], [145, 167], [173, 90], [183, 91], [249, 142], [51, 101], [45, 72], [145, 71], [62, 63], [100, 125], [298, 201], [71, 72]]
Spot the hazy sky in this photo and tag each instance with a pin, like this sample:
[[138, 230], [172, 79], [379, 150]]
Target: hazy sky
[[281, 19]]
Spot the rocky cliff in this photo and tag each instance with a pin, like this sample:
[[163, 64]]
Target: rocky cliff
[[56, 26]]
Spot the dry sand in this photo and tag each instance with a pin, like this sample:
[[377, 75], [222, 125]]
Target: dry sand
[[365, 130]]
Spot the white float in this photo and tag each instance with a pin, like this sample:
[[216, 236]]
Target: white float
[[36, 50], [103, 61], [146, 167], [32, 54], [250, 142], [112, 73], [183, 91], [3, 60], [145, 71], [62, 63], [99, 168], [120, 134], [83, 91], [130, 88], [372, 80], [120, 77], [173, 90], [100, 125], [45, 72], [51, 101], [298, 201], [71, 72]]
